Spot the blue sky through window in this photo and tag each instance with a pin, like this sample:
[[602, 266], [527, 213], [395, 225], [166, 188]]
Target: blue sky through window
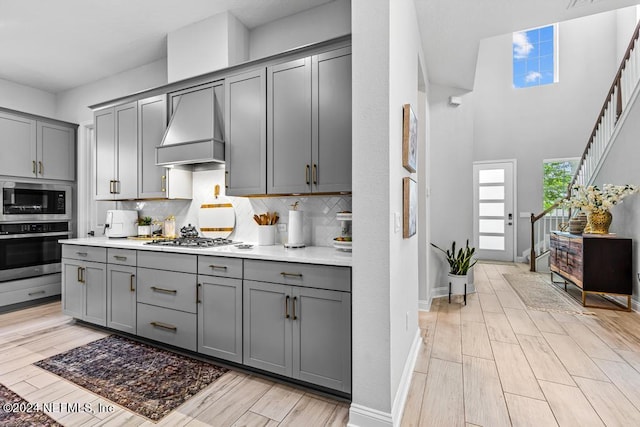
[[533, 57]]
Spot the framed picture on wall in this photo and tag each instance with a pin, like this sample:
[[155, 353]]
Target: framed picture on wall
[[409, 139], [409, 207]]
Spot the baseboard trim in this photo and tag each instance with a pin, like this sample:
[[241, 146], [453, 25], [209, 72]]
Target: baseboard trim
[[425, 305], [363, 416]]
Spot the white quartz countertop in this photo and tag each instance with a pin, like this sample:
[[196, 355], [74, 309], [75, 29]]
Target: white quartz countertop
[[309, 255]]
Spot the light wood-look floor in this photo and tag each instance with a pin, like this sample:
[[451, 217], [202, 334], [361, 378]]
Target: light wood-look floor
[[236, 399], [496, 363]]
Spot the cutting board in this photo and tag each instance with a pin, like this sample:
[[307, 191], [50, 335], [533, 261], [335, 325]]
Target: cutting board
[[217, 219]]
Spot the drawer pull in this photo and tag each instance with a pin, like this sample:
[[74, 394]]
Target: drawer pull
[[120, 257], [36, 293], [131, 287], [82, 253], [294, 308], [164, 326], [218, 267], [284, 273], [165, 291], [286, 307]]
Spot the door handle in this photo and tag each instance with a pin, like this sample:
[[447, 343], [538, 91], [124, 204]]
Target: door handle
[[163, 183], [226, 179], [315, 174], [286, 307], [198, 300], [111, 187], [79, 274], [294, 308], [306, 174], [133, 276], [41, 167], [33, 166]]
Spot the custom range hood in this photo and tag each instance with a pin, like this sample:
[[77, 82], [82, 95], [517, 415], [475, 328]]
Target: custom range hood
[[196, 130]]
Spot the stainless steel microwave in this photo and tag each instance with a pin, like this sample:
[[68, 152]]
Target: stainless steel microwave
[[35, 202]]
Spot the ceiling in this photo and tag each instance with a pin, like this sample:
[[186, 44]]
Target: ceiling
[[58, 45]]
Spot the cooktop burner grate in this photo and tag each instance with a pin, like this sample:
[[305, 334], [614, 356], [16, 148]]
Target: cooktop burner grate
[[195, 242]]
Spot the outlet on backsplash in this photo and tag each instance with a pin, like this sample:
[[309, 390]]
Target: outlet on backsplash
[[282, 228]]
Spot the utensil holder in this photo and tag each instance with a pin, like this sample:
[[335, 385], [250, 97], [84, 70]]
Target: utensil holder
[[266, 235]]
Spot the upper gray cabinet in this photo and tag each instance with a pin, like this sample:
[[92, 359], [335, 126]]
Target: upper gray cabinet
[[116, 161], [246, 132], [309, 124], [39, 149]]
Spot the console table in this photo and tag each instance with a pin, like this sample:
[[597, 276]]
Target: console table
[[595, 264]]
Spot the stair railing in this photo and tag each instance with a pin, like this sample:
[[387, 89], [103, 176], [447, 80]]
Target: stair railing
[[624, 90]]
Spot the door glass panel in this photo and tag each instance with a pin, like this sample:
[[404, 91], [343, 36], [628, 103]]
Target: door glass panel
[[495, 243], [491, 209], [491, 176], [491, 192], [491, 226]]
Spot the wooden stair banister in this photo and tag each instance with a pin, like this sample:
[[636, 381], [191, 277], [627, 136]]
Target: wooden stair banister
[[535, 242]]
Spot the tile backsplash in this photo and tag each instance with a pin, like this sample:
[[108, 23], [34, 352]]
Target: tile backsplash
[[320, 224]]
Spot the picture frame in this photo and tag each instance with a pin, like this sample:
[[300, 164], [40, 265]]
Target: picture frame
[[409, 207], [409, 139]]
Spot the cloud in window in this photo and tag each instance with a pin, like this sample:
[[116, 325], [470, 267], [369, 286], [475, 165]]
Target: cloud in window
[[521, 45], [532, 76]]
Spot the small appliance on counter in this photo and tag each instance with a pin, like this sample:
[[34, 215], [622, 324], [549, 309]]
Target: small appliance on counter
[[296, 234], [121, 223], [344, 242]]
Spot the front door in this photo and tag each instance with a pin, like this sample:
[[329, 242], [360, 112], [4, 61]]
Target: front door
[[493, 209]]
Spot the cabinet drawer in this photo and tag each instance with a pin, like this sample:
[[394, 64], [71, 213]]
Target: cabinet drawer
[[220, 266], [85, 253], [121, 256], [28, 294], [167, 289], [168, 261], [172, 327], [289, 273]]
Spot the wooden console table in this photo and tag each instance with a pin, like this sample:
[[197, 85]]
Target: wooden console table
[[598, 265]]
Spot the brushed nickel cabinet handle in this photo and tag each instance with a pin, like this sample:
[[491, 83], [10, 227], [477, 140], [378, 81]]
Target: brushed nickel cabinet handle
[[286, 307], [217, 267], [33, 166], [131, 287], [284, 273], [294, 308], [163, 183], [315, 174], [36, 293], [162, 290], [164, 326], [41, 166], [306, 174]]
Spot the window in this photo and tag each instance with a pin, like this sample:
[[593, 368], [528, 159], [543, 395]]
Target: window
[[557, 174], [535, 59]]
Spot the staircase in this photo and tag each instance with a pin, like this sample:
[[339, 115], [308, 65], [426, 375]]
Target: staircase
[[622, 94]]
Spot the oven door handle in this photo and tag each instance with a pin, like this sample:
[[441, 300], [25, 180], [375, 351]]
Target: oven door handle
[[65, 234]]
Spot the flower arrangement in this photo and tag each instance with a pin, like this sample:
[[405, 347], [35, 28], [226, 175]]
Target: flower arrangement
[[593, 199]]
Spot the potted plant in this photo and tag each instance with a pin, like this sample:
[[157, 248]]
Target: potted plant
[[460, 263], [144, 226]]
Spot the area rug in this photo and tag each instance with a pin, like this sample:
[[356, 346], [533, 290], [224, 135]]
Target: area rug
[[537, 293], [146, 380], [17, 412]]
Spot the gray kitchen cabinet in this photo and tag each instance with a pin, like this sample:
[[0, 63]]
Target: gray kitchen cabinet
[[84, 289], [309, 124], [121, 297], [220, 317], [331, 121], [246, 132], [55, 151], [303, 333], [116, 167], [289, 127], [157, 181], [39, 149]]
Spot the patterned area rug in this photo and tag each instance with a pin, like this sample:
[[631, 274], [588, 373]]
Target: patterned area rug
[[537, 293], [15, 412], [144, 379]]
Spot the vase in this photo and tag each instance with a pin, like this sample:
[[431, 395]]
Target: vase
[[144, 230], [600, 222], [577, 223]]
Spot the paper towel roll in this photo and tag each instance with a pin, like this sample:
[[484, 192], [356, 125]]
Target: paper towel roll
[[296, 236]]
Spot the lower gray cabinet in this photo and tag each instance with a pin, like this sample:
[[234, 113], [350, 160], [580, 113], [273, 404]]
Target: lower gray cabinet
[[173, 327], [84, 290], [121, 298], [299, 332], [220, 317]]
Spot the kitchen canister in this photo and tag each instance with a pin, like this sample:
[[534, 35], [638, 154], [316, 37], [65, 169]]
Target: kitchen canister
[[266, 235], [296, 234]]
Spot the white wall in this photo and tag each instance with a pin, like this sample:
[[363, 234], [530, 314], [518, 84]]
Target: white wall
[[386, 50], [310, 26], [627, 19], [27, 99], [451, 163], [552, 121]]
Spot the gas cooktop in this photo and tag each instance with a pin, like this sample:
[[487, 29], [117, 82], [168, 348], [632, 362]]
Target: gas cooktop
[[193, 242]]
